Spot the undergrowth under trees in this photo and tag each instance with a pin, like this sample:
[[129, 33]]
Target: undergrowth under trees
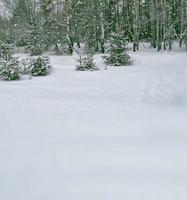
[[11, 68]]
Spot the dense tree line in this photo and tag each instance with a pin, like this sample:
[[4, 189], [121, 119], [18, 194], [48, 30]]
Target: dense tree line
[[60, 25]]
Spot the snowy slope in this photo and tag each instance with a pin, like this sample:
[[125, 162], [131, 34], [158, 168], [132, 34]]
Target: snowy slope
[[116, 134]]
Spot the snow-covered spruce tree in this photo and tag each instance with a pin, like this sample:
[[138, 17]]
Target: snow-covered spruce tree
[[39, 66], [33, 36], [5, 50], [85, 61], [118, 55], [26, 23], [10, 70], [10, 67], [50, 29]]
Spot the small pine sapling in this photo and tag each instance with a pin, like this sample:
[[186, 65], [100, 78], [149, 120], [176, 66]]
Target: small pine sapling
[[86, 62], [10, 70], [39, 66], [118, 55], [5, 50]]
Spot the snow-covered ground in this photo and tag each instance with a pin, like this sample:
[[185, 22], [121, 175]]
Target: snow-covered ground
[[116, 134]]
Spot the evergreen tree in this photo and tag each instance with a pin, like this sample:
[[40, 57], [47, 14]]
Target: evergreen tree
[[118, 55], [85, 59], [5, 50]]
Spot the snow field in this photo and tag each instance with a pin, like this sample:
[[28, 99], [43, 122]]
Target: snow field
[[111, 134]]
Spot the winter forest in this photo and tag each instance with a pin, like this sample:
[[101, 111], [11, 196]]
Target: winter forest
[[93, 99], [59, 25]]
